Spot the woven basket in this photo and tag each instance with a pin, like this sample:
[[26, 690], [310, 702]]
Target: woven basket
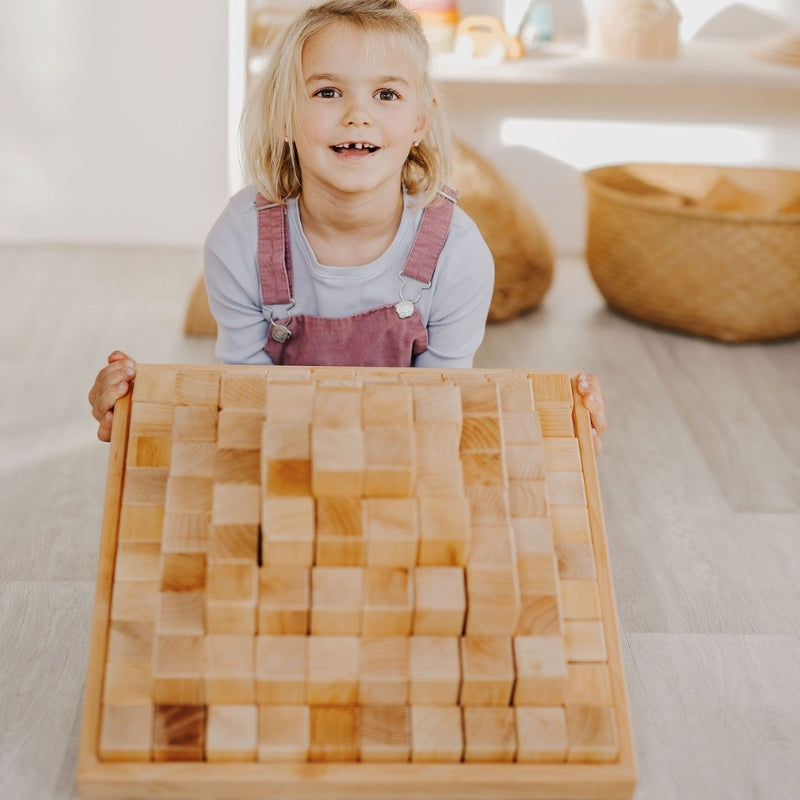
[[713, 251]]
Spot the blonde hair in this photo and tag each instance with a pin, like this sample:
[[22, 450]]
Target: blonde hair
[[269, 161]]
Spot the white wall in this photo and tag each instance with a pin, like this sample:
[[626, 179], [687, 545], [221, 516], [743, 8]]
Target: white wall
[[113, 120]]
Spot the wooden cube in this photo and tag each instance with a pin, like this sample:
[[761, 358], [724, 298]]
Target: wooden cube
[[197, 387], [338, 461], [440, 601], [521, 427], [488, 505], [388, 601], [130, 642], [493, 600], [290, 402], [229, 669], [481, 434], [183, 572], [128, 684], [434, 666], [390, 462], [186, 532], [178, 668], [436, 734], [334, 734], [332, 670], [527, 498], [188, 494], [588, 685], [585, 640], [151, 419], [525, 462], [195, 424], [145, 486], [437, 403], [490, 734], [581, 599], [234, 543], [565, 489], [592, 733], [339, 537], [141, 523], [384, 734], [284, 733], [236, 504], [286, 459], [391, 531], [541, 669], [337, 598], [239, 429], [231, 595], [237, 466], [480, 399], [232, 733], [337, 407], [288, 527], [444, 531], [149, 451], [516, 393], [247, 392], [484, 468], [126, 733], [387, 404], [194, 459], [135, 601], [281, 670], [181, 613], [541, 734], [179, 732], [487, 668], [284, 600], [383, 670]]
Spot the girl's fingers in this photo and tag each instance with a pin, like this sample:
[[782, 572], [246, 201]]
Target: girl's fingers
[[104, 429]]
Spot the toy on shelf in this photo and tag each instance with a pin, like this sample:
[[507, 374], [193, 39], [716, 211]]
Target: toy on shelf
[[326, 582], [635, 29], [483, 38]]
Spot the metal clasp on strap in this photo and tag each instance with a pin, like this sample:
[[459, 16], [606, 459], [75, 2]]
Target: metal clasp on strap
[[279, 331], [405, 308]]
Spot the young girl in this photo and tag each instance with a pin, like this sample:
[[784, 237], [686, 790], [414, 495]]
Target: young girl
[[347, 247]]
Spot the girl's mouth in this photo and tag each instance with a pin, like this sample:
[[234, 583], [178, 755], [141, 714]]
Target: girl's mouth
[[354, 147]]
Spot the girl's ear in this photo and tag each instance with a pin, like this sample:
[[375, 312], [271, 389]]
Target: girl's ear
[[423, 122]]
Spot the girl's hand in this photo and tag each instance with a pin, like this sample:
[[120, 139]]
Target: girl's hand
[[589, 389], [111, 383]]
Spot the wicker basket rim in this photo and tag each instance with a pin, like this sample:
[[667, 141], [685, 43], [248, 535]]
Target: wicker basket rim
[[591, 180]]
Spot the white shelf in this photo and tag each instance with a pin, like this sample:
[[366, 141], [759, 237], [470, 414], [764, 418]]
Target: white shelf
[[710, 63]]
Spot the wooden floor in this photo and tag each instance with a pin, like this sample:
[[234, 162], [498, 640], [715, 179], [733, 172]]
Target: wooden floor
[[700, 476]]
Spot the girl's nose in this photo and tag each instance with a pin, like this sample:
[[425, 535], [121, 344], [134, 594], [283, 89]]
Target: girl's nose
[[357, 114]]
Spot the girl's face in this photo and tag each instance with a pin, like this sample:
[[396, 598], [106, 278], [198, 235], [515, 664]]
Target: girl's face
[[359, 112]]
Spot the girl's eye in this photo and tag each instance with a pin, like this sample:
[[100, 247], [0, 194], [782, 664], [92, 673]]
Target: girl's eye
[[326, 93], [388, 94]]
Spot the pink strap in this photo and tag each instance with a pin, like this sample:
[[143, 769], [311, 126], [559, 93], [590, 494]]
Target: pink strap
[[430, 238], [274, 256]]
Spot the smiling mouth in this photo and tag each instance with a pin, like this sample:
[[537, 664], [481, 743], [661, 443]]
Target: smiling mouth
[[350, 146]]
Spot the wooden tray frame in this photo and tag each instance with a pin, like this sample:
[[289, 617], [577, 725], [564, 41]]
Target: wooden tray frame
[[314, 781]]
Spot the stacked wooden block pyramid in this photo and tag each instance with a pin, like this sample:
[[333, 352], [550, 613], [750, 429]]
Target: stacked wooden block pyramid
[[337, 565]]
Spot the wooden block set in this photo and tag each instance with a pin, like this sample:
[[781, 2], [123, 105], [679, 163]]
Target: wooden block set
[[375, 569]]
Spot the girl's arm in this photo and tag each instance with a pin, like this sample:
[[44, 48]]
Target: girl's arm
[[461, 294], [234, 296]]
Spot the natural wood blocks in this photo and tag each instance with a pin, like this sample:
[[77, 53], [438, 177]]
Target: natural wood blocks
[[401, 575]]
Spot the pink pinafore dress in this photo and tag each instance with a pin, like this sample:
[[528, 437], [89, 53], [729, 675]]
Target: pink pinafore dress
[[387, 336]]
